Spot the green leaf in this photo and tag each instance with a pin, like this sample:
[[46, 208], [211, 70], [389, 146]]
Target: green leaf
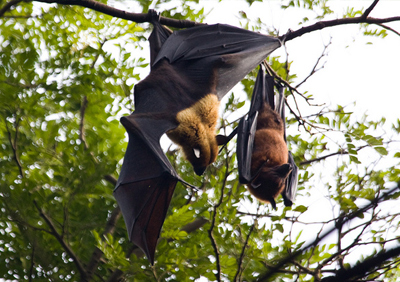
[[381, 150]]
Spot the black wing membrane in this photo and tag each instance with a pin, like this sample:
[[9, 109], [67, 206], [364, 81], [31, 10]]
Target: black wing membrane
[[263, 88], [185, 66], [263, 92], [289, 194], [144, 194], [229, 52]]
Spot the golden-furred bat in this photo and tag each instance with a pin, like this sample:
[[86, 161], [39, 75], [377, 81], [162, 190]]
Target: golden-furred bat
[[191, 70]]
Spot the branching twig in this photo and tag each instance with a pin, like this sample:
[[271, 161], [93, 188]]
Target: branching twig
[[240, 261], [64, 244], [318, 239], [189, 228], [14, 144], [314, 69], [343, 21], [210, 231], [362, 268], [97, 253], [340, 152], [141, 17]]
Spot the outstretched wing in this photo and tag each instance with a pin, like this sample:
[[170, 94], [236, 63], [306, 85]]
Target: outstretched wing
[[222, 53], [147, 179]]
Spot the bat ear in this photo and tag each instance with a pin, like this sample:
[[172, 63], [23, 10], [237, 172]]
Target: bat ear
[[222, 139]]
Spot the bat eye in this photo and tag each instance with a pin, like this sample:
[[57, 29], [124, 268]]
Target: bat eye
[[196, 152]]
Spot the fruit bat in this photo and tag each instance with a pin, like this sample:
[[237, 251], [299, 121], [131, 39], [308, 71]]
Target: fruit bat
[[264, 162], [191, 70]]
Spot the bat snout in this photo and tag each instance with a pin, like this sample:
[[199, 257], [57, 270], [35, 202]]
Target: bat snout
[[284, 170], [199, 170]]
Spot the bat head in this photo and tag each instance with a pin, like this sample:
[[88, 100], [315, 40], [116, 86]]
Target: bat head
[[195, 132], [270, 182], [202, 154]]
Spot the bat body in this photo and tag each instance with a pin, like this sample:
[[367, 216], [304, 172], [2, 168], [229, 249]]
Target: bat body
[[264, 162], [269, 160], [191, 70], [192, 114]]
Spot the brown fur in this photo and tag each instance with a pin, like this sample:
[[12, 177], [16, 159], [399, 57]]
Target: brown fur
[[196, 130], [270, 156]]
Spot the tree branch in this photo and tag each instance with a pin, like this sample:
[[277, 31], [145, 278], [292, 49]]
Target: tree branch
[[14, 145], [340, 152], [97, 253], [8, 6], [189, 228], [369, 9], [314, 69], [146, 17], [389, 28], [135, 17], [347, 218], [210, 231], [64, 244], [239, 270], [323, 24], [360, 269], [110, 179]]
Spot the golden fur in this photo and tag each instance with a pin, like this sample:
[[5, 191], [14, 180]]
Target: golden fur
[[196, 130]]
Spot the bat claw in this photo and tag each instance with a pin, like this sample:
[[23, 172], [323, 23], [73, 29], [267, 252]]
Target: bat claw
[[255, 186]]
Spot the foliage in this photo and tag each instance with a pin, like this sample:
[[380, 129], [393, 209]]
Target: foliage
[[67, 74]]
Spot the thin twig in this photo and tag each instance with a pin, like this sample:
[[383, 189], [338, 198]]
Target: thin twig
[[389, 28], [347, 218], [340, 152], [240, 261], [97, 253], [32, 263], [314, 69], [343, 21], [210, 231], [14, 145], [188, 228], [64, 244], [142, 18], [110, 179], [81, 123]]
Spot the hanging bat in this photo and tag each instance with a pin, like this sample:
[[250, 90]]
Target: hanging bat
[[264, 162], [191, 70]]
